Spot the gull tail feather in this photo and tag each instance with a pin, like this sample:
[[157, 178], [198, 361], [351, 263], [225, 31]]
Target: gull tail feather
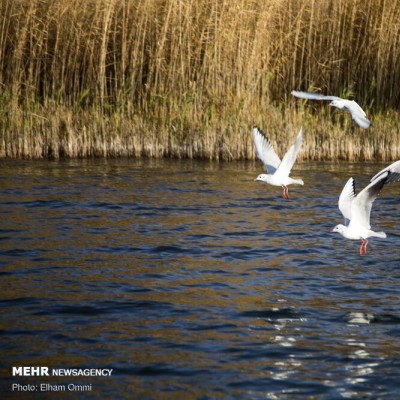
[[298, 181], [380, 235]]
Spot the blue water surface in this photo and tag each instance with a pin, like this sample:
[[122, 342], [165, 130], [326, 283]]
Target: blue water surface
[[191, 281]]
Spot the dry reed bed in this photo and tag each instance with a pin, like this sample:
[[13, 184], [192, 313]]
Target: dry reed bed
[[180, 78]]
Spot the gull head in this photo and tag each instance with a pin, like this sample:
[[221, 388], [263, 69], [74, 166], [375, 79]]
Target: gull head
[[262, 178], [337, 103], [339, 229]]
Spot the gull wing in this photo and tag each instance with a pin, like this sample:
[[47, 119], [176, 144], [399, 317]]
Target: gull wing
[[355, 108], [357, 113], [395, 172], [290, 157], [313, 96], [361, 121], [265, 151], [346, 199], [362, 204]]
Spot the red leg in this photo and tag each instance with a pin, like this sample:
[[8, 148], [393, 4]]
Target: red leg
[[363, 246], [285, 194]]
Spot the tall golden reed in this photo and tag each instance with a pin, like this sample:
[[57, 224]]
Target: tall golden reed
[[183, 78]]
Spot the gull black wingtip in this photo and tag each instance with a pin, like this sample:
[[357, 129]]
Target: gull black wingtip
[[257, 129]]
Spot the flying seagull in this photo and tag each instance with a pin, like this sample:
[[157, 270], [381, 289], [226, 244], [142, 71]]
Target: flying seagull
[[277, 171], [357, 209], [357, 113]]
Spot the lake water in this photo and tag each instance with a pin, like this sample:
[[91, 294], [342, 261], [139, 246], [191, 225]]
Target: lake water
[[191, 281]]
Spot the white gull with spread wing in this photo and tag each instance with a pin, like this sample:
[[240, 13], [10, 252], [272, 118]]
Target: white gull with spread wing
[[277, 171], [357, 113], [357, 209]]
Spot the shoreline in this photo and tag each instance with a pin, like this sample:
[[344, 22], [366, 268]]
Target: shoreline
[[66, 133]]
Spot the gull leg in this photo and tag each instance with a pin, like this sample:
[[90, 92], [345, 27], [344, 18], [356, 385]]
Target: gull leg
[[363, 246], [285, 194]]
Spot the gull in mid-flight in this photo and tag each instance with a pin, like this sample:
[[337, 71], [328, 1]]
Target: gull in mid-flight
[[357, 209], [277, 171], [357, 113]]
